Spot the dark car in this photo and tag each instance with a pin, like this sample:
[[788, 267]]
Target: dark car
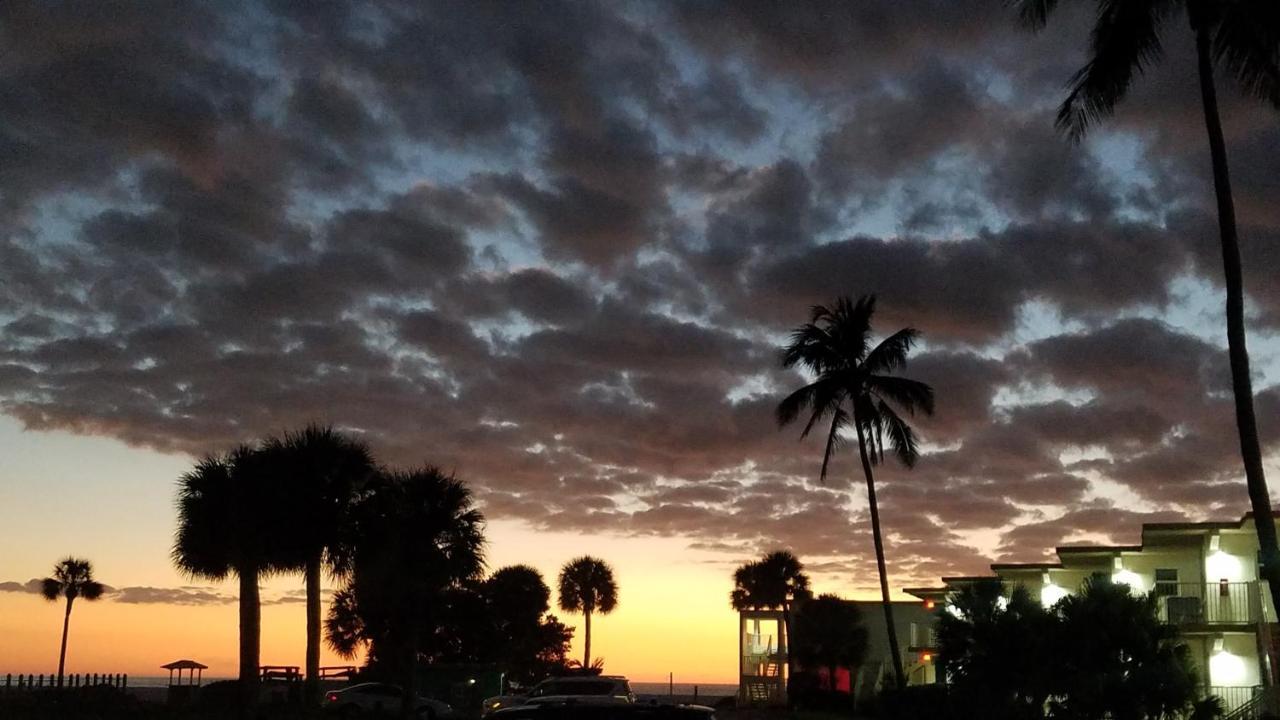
[[577, 711]]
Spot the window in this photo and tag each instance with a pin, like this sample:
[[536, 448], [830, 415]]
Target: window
[[1166, 582]]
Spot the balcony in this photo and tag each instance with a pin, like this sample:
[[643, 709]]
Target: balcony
[[922, 637], [1231, 603]]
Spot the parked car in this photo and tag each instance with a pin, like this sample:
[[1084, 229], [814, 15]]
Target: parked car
[[377, 698], [585, 690], [573, 711]]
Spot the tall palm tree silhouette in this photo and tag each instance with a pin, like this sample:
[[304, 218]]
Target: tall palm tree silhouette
[[321, 470], [774, 582], [228, 524], [853, 387], [417, 534], [1242, 36], [72, 578], [587, 586]]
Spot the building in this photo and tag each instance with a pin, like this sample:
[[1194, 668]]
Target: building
[[1205, 576], [762, 651]]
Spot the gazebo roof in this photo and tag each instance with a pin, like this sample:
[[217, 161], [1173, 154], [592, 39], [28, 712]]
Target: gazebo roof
[[184, 665]]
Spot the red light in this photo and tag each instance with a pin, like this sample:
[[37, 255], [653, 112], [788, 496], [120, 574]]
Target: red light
[[332, 697]]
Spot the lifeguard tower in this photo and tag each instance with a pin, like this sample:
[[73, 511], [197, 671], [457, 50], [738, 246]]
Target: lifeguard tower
[[762, 655]]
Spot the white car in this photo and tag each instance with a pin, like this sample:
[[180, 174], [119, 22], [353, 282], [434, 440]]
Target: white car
[[366, 698], [585, 690]]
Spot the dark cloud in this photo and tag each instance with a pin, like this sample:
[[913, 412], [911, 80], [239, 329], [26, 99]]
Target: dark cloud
[[554, 247]]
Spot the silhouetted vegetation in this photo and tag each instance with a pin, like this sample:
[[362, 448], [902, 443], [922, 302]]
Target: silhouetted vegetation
[[587, 586], [1101, 653], [72, 578], [321, 472], [774, 582], [1242, 38], [853, 388], [829, 634]]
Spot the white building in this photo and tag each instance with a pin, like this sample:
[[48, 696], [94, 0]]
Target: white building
[[1205, 575]]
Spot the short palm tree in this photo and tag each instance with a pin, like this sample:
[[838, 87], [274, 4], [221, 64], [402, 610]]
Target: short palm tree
[[830, 634], [321, 470], [775, 582], [72, 578], [1242, 37], [228, 511], [853, 388], [587, 586], [417, 534]]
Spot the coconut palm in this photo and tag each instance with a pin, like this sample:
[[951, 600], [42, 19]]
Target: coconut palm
[[417, 536], [830, 635], [1242, 37], [774, 582], [72, 578], [587, 586], [228, 510], [321, 470], [854, 388]]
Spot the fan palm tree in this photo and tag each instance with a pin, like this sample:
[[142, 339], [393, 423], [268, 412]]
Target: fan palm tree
[[417, 535], [321, 470], [72, 578], [774, 582], [228, 510], [854, 387], [1243, 37], [587, 586]]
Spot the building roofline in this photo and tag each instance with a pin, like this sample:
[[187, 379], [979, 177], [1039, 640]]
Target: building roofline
[[969, 578], [1090, 549], [996, 567]]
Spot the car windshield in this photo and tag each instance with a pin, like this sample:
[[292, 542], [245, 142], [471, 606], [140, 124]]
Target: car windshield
[[574, 687]]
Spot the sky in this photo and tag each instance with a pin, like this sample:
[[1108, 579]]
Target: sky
[[555, 247]]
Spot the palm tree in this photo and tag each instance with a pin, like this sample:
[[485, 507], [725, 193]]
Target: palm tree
[[853, 386], [321, 470], [228, 512], [72, 578], [774, 582], [587, 586], [830, 634], [1242, 36], [417, 535]]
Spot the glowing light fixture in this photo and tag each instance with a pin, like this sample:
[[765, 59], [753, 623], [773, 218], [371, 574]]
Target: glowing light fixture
[[1226, 668], [926, 657], [928, 604], [1215, 541]]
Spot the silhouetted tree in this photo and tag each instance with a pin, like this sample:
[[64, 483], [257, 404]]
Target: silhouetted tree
[[774, 582], [996, 651], [1242, 36], [321, 470], [830, 635], [587, 586], [417, 537], [853, 388], [228, 524], [1114, 658], [72, 578]]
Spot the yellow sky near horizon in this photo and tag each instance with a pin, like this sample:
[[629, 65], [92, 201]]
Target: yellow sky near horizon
[[97, 498]]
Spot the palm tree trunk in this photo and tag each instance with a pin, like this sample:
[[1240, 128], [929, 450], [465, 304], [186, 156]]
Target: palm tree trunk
[[1241, 383], [313, 630], [62, 655], [586, 654], [250, 635], [894, 652], [786, 631]]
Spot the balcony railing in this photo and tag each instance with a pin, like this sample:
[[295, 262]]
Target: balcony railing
[[1233, 698], [1232, 603]]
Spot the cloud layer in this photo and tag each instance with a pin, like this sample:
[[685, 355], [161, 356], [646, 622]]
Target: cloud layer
[[555, 247]]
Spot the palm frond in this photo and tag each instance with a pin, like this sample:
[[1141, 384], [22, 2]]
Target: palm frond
[[50, 588], [910, 395], [839, 420], [891, 353], [1034, 13], [92, 590], [810, 346], [1246, 42], [1125, 41], [902, 439]]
